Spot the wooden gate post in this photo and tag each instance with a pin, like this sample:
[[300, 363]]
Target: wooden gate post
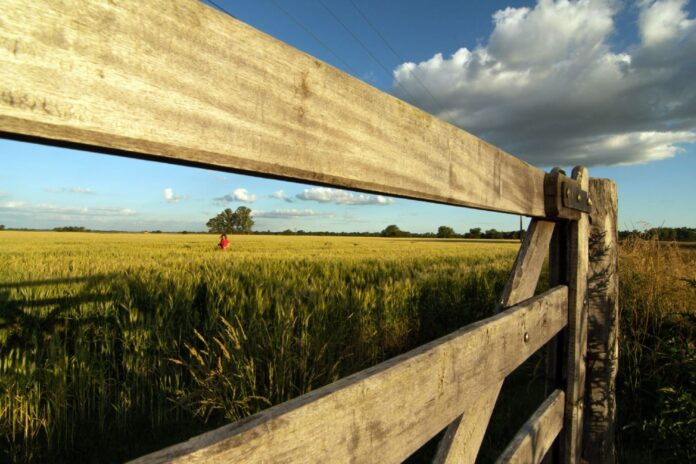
[[578, 233], [603, 325]]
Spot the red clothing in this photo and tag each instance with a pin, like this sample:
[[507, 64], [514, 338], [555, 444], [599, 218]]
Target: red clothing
[[224, 243]]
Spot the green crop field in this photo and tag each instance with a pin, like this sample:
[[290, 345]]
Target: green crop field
[[114, 345]]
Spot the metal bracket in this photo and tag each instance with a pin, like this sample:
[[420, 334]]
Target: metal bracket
[[563, 196], [574, 197]]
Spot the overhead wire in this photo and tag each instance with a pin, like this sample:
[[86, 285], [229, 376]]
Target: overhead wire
[[219, 7], [398, 56], [301, 26], [311, 34], [363, 46], [355, 37]]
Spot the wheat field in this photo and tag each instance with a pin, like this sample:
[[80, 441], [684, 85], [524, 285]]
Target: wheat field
[[114, 345], [121, 343]]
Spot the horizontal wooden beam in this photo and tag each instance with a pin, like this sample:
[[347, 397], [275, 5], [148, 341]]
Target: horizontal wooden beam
[[537, 434], [384, 413], [178, 81]]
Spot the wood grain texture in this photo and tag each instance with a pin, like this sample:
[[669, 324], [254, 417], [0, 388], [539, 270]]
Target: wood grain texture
[[462, 439], [578, 249], [178, 81], [556, 348], [530, 259], [534, 439], [603, 325], [384, 413]]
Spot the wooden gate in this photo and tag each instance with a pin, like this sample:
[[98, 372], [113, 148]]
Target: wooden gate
[[179, 82]]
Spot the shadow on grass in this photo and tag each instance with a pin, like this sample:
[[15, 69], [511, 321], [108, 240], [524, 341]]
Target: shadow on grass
[[70, 367]]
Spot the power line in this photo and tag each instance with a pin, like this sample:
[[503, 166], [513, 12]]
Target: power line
[[330, 50], [219, 8], [300, 25], [311, 34], [398, 56], [364, 47]]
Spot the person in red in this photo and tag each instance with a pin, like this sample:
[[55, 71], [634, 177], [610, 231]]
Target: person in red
[[224, 243]]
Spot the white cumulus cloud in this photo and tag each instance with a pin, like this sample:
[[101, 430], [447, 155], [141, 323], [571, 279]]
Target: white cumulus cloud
[[341, 197], [51, 211], [289, 213], [663, 21], [280, 195], [12, 205], [239, 194], [548, 87], [170, 197]]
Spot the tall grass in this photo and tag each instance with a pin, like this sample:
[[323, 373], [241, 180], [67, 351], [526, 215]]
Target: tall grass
[[657, 365], [115, 345]]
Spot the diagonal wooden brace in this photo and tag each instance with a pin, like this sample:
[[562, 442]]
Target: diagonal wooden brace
[[463, 436]]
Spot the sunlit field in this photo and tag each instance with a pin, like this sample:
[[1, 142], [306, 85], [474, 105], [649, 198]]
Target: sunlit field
[[117, 344], [114, 345]]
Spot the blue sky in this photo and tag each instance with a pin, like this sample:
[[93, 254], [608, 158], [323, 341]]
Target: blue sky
[[598, 82]]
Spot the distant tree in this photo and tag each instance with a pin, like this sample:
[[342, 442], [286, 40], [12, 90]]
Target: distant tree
[[393, 231], [666, 234], [623, 234], [474, 233], [70, 229], [492, 233], [2, 226], [227, 221], [445, 232], [685, 234], [222, 223], [244, 222]]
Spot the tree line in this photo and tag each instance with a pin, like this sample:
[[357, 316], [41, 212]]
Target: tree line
[[71, 229], [666, 234], [240, 221], [448, 232]]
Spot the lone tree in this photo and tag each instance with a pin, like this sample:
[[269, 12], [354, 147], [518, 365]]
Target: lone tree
[[2, 226], [227, 221], [445, 232]]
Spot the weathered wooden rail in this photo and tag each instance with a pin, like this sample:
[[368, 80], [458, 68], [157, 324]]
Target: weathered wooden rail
[[178, 82]]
